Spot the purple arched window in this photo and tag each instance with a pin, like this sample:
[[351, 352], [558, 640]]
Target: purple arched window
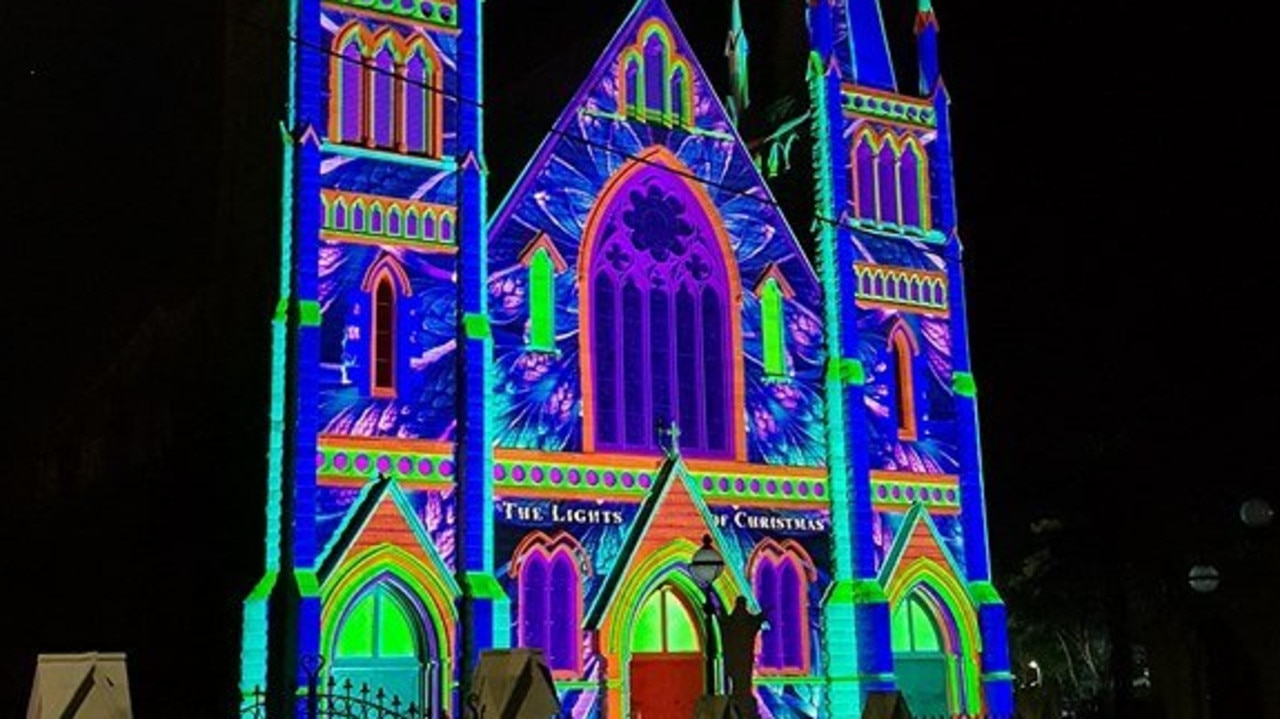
[[865, 174], [909, 173], [349, 67], [632, 80], [655, 73], [781, 589], [550, 599], [677, 95], [661, 329], [887, 165], [382, 110], [418, 104]]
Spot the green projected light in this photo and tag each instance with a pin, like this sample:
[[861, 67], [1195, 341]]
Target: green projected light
[[542, 299], [665, 624], [377, 627]]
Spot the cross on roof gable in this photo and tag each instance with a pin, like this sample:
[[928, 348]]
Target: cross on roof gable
[[673, 510]]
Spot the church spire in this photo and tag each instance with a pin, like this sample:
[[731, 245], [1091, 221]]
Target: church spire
[[872, 66], [736, 50], [927, 46]]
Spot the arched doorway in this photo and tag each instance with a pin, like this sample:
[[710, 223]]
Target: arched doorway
[[924, 655], [667, 662], [384, 642]]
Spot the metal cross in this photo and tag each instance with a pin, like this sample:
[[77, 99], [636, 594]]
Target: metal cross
[[672, 431]]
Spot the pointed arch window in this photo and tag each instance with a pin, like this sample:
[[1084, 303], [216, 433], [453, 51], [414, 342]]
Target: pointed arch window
[[382, 101], [655, 83], [665, 624], [542, 292], [384, 337], [780, 575], [662, 323], [902, 351], [550, 596], [655, 55], [384, 90], [544, 262], [891, 181], [864, 177], [909, 168], [679, 103], [773, 291], [887, 184], [385, 282], [347, 68]]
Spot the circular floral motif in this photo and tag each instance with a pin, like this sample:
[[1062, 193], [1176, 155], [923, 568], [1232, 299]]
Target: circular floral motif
[[656, 224]]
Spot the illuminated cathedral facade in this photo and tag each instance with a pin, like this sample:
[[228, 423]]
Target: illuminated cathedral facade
[[513, 429]]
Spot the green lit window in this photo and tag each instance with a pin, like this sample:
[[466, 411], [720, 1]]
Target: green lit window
[[542, 301], [773, 326], [665, 625], [914, 629], [377, 627]]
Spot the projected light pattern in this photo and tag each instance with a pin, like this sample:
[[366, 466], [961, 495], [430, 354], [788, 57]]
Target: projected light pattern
[[516, 432]]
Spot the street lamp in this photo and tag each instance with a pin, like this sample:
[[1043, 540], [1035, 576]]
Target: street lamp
[[706, 565], [1034, 665]]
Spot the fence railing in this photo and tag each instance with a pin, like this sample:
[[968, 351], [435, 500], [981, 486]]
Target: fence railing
[[331, 699], [339, 700]]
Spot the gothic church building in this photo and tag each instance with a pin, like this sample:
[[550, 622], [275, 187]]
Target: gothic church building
[[514, 429]]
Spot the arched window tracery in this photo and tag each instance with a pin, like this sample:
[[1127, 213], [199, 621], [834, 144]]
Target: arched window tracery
[[780, 575], [549, 573], [385, 91], [645, 346]]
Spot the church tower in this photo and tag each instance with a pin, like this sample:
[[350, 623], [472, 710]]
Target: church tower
[[378, 550], [905, 454]]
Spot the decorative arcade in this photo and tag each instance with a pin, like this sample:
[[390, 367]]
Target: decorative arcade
[[515, 430]]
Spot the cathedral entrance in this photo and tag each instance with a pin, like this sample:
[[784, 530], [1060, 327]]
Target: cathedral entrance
[[667, 663], [383, 642], [924, 661]]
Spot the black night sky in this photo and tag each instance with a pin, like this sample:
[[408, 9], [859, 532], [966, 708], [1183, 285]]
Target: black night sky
[[1114, 159]]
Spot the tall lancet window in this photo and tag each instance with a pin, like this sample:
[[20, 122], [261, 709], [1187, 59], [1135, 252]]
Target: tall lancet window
[[550, 599], [382, 105], [780, 575], [384, 337], [420, 94], [910, 170], [544, 262], [901, 368], [655, 56], [864, 176], [773, 291], [887, 185], [660, 345], [346, 122], [679, 103], [386, 283]]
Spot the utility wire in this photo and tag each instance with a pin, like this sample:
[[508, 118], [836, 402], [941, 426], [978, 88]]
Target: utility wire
[[688, 175]]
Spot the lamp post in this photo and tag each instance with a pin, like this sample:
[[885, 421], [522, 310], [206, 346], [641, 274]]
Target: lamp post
[[706, 565]]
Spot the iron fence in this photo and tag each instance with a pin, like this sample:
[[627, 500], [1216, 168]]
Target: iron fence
[[331, 699]]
